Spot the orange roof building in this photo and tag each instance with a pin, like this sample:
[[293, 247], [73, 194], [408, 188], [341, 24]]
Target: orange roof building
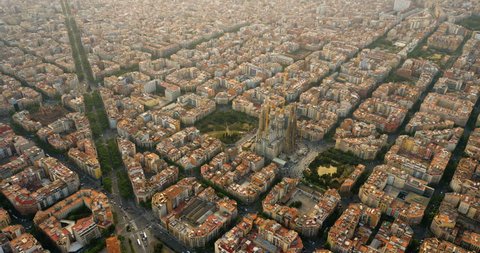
[[113, 245]]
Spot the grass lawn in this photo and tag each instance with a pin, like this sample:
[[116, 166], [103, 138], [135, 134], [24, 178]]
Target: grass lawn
[[385, 44], [216, 125], [438, 57], [471, 23]]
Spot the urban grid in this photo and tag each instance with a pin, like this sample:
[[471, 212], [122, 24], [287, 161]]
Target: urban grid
[[250, 126]]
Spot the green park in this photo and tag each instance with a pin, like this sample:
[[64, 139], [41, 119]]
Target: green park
[[227, 125]]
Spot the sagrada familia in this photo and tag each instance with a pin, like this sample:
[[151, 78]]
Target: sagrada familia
[[277, 130]]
